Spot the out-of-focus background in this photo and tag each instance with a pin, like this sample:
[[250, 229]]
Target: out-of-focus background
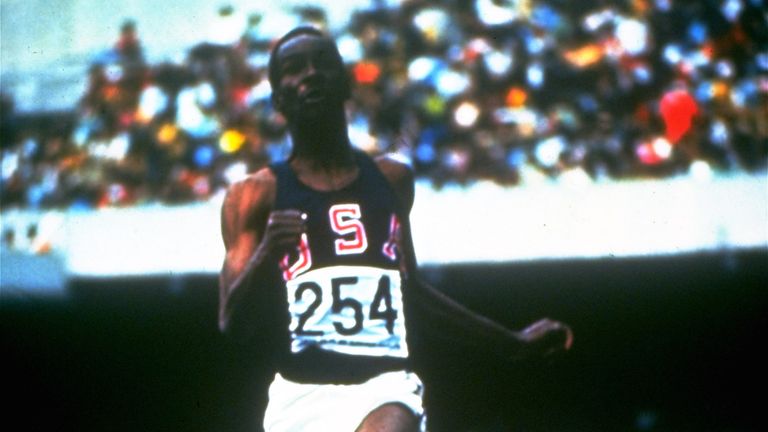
[[604, 163]]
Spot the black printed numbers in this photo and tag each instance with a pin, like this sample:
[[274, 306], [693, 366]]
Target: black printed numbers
[[379, 308], [383, 295], [304, 316], [339, 304]]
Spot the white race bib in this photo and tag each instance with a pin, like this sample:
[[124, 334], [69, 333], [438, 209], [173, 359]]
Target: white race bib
[[348, 309]]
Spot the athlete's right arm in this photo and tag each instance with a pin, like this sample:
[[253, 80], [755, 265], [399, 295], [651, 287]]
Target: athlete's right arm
[[255, 238]]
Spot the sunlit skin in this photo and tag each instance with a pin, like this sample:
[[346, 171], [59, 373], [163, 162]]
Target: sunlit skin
[[311, 92]]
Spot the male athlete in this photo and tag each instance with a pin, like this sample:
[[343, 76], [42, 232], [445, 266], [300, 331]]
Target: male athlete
[[320, 266]]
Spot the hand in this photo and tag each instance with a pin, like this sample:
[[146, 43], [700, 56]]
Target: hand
[[546, 337], [283, 232]]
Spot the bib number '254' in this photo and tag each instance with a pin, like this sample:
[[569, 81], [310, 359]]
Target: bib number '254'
[[348, 309]]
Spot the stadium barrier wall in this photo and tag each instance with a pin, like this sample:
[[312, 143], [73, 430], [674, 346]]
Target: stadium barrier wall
[[483, 223]]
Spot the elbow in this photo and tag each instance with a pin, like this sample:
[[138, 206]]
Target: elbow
[[224, 326], [226, 311], [230, 331], [225, 323], [232, 328]]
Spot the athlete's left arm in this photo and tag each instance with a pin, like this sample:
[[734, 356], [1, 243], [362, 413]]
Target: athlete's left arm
[[542, 337]]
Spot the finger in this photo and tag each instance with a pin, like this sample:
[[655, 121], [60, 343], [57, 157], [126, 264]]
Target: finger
[[284, 245], [287, 245], [290, 214], [290, 235], [562, 339], [539, 327], [281, 237], [568, 338], [295, 219]]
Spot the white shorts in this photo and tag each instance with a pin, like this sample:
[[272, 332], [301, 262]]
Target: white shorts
[[329, 407]]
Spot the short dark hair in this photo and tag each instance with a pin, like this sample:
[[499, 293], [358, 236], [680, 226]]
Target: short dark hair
[[273, 69]]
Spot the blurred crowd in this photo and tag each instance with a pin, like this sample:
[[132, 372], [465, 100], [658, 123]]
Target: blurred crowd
[[507, 91]]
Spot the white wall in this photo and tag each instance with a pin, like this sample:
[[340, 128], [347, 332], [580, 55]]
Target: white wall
[[479, 224]]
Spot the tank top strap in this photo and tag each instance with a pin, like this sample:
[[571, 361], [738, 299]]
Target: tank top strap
[[374, 179], [287, 181], [371, 180], [282, 171]]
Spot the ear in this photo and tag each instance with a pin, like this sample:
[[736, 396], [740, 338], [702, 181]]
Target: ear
[[277, 101]]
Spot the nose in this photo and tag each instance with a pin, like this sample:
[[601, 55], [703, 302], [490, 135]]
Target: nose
[[311, 72], [311, 68]]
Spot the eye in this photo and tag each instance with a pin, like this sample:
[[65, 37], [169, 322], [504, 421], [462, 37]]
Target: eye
[[290, 66], [325, 60]]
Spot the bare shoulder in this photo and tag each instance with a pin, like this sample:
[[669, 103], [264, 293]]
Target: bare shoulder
[[255, 189], [247, 201], [399, 174], [395, 168]]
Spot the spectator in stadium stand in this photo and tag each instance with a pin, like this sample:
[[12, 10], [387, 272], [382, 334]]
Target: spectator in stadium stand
[[320, 269], [533, 71], [129, 58], [128, 46]]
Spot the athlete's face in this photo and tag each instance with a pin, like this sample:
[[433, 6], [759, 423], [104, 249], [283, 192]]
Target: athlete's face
[[311, 77]]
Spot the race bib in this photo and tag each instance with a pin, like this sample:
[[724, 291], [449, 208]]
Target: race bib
[[350, 310]]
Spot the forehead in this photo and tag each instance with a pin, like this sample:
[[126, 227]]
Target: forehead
[[306, 44]]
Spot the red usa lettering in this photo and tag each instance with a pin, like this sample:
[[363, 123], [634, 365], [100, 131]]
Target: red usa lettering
[[345, 221], [303, 262]]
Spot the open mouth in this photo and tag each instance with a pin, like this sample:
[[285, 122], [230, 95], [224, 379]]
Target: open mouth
[[313, 95], [311, 92]]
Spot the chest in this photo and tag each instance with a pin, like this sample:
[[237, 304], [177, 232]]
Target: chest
[[345, 230]]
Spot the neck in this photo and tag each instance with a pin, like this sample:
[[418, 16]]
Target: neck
[[323, 143]]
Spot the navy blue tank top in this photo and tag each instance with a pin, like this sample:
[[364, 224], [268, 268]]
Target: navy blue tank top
[[343, 283]]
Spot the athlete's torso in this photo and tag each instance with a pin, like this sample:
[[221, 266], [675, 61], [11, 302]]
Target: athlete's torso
[[343, 286]]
